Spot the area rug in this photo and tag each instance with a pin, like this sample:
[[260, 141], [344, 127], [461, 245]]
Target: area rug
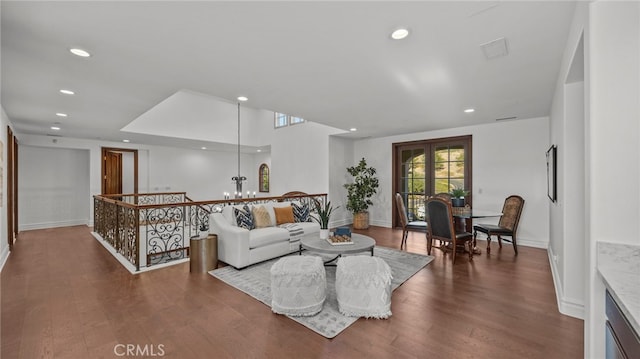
[[255, 281]]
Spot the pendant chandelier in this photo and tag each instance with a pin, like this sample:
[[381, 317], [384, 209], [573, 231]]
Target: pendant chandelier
[[239, 178]]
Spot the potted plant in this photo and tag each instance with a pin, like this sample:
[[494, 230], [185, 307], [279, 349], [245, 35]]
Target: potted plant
[[365, 185], [204, 230], [457, 197], [324, 214]]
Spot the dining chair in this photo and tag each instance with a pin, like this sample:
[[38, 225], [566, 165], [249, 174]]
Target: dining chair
[[444, 195], [404, 221], [440, 223], [507, 226]]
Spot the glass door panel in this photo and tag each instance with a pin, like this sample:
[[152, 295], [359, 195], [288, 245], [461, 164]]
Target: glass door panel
[[449, 167], [413, 179], [424, 168]]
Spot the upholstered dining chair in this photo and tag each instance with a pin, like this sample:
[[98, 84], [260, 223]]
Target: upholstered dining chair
[[443, 195], [440, 223], [404, 221], [507, 226]]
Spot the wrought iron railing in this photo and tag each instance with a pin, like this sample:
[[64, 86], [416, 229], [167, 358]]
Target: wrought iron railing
[[152, 228]]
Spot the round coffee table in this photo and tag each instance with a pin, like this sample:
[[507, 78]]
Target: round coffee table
[[361, 243]]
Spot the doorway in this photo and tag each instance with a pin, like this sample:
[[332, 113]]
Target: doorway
[[427, 167], [119, 170]]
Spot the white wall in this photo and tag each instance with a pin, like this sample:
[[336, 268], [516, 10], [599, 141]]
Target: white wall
[[340, 157], [204, 175], [128, 167], [300, 158], [508, 158], [613, 140], [53, 187], [568, 122]]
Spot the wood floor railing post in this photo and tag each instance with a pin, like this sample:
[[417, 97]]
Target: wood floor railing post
[[137, 240]]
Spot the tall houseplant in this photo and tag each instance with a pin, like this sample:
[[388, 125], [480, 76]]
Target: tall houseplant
[[360, 191]]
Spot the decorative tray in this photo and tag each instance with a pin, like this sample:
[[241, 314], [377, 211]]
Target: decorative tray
[[339, 240]]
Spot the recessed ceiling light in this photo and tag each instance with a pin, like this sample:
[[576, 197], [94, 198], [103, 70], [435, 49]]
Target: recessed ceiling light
[[67, 92], [203, 148], [469, 110], [127, 141], [353, 129], [259, 151], [60, 114], [80, 52], [55, 128], [400, 34], [242, 98]]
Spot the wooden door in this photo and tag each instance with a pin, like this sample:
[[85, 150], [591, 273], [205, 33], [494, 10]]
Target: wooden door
[[112, 173], [112, 169], [12, 187]]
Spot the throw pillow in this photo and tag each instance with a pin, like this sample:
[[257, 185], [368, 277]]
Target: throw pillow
[[244, 219], [261, 217], [300, 212], [283, 215]]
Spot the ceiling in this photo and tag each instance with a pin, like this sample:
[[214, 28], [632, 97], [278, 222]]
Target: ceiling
[[328, 62]]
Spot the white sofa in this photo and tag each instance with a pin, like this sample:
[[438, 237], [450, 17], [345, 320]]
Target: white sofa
[[240, 247]]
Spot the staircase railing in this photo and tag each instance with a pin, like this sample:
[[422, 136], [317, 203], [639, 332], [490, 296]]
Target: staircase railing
[[153, 228]]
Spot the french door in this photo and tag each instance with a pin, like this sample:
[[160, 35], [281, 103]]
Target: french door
[[424, 168]]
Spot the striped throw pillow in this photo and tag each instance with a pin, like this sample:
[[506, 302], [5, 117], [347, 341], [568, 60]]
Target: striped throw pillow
[[244, 218], [300, 212]]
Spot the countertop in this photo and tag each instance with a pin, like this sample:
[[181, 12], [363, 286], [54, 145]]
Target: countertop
[[619, 266]]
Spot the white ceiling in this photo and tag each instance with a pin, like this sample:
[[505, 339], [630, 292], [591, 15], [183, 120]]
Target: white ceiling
[[329, 62]]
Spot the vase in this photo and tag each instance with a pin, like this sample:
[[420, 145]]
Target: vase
[[457, 202], [204, 234], [324, 233], [361, 220]]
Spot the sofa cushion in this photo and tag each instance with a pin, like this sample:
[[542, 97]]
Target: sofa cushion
[[309, 227], [264, 236], [261, 217], [283, 215], [244, 218], [300, 212]]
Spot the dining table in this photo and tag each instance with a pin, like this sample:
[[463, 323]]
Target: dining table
[[463, 214]]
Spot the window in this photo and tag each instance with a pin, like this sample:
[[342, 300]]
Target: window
[[424, 168], [282, 120], [263, 178], [295, 120], [449, 168]]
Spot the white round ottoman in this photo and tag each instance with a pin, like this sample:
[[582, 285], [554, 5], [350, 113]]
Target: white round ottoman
[[298, 285], [363, 287]]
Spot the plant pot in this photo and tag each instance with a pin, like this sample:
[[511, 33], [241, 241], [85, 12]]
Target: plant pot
[[457, 202], [324, 233], [204, 234], [361, 220]]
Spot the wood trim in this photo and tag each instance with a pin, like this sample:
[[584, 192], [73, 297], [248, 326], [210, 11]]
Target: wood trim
[[428, 144], [103, 166], [10, 187]]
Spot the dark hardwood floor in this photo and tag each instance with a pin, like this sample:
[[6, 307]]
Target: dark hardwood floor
[[64, 296]]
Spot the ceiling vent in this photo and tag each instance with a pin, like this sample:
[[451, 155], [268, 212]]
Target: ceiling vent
[[506, 118], [495, 48]]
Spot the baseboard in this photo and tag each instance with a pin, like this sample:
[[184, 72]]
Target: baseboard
[[45, 225], [4, 256], [380, 223], [342, 222], [566, 306], [126, 264]]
